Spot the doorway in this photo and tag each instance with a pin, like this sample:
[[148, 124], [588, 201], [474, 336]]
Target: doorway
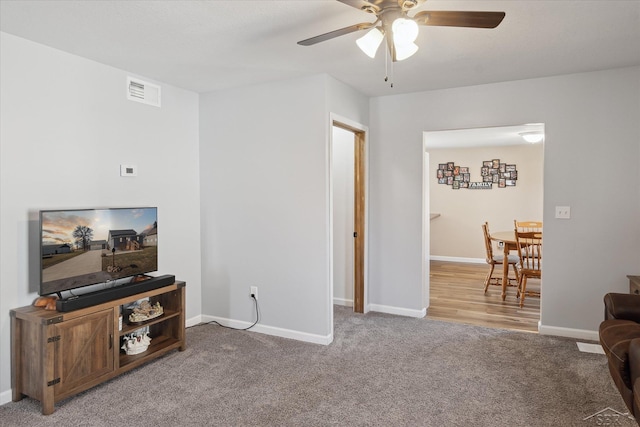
[[348, 213], [454, 214]]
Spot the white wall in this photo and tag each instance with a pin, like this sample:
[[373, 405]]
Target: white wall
[[457, 233], [343, 157], [65, 128], [591, 164], [264, 163]]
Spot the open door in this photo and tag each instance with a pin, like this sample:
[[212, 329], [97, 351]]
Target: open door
[[359, 212], [358, 223]]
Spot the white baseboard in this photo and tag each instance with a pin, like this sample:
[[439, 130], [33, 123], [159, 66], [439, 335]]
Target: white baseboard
[[273, 331], [343, 302], [193, 321], [458, 259], [580, 334], [6, 397], [400, 311]]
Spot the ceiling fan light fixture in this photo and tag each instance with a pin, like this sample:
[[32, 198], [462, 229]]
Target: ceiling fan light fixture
[[399, 30], [370, 42], [405, 31], [532, 137], [403, 51]]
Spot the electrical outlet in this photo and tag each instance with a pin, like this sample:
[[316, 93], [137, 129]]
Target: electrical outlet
[[254, 292], [128, 170], [563, 212]]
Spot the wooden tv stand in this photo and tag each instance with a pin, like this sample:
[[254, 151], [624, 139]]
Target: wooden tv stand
[[56, 355]]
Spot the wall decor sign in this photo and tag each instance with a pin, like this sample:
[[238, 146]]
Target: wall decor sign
[[492, 172]]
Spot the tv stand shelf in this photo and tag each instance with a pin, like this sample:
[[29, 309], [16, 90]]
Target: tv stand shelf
[[128, 328], [55, 355]]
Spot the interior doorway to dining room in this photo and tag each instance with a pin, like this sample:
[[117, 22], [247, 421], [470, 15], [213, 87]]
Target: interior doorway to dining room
[[472, 176]]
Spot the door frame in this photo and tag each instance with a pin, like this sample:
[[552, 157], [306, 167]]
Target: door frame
[[360, 300]]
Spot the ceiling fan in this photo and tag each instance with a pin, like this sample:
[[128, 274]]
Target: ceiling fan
[[401, 30]]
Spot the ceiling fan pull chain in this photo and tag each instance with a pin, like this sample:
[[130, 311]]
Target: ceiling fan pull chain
[[390, 73], [386, 63], [386, 66]]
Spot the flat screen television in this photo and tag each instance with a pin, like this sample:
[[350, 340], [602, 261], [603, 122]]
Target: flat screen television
[[83, 247]]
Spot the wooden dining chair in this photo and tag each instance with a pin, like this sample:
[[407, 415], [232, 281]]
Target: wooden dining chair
[[494, 260], [528, 225], [529, 244]]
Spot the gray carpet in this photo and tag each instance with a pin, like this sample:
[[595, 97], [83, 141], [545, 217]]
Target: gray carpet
[[381, 370]]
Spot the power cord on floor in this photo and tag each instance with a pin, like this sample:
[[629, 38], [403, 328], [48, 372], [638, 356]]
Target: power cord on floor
[[215, 322]]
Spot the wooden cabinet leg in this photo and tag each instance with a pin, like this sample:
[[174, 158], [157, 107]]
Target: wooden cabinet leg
[[16, 367], [47, 401]]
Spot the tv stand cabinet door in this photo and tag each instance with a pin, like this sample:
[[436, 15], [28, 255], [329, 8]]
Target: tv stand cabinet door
[[83, 352]]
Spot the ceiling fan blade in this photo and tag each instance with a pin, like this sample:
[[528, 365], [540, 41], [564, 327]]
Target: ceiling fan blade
[[443, 18], [336, 33]]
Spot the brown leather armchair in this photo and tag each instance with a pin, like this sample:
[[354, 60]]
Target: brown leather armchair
[[620, 338]]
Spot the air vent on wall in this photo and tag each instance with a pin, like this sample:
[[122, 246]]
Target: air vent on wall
[[141, 91]]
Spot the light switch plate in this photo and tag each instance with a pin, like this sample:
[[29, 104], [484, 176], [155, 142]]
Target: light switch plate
[[563, 212], [128, 170]]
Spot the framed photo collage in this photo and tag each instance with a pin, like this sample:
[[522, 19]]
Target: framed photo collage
[[493, 172]]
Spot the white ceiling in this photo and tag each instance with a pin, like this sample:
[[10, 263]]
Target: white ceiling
[[211, 45], [481, 137]]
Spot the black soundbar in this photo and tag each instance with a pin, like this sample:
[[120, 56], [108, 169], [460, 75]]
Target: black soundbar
[[104, 295]]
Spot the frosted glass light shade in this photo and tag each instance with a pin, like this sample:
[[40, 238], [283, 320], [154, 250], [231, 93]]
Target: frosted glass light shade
[[405, 31], [403, 51], [370, 42]]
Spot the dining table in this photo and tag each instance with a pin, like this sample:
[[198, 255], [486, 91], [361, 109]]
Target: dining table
[[508, 239]]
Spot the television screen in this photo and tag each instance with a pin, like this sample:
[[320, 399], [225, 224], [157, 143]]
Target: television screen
[[84, 247]]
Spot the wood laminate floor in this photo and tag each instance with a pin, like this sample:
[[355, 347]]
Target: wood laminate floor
[[457, 295]]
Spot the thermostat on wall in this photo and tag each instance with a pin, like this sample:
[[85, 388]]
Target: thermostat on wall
[[128, 170]]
